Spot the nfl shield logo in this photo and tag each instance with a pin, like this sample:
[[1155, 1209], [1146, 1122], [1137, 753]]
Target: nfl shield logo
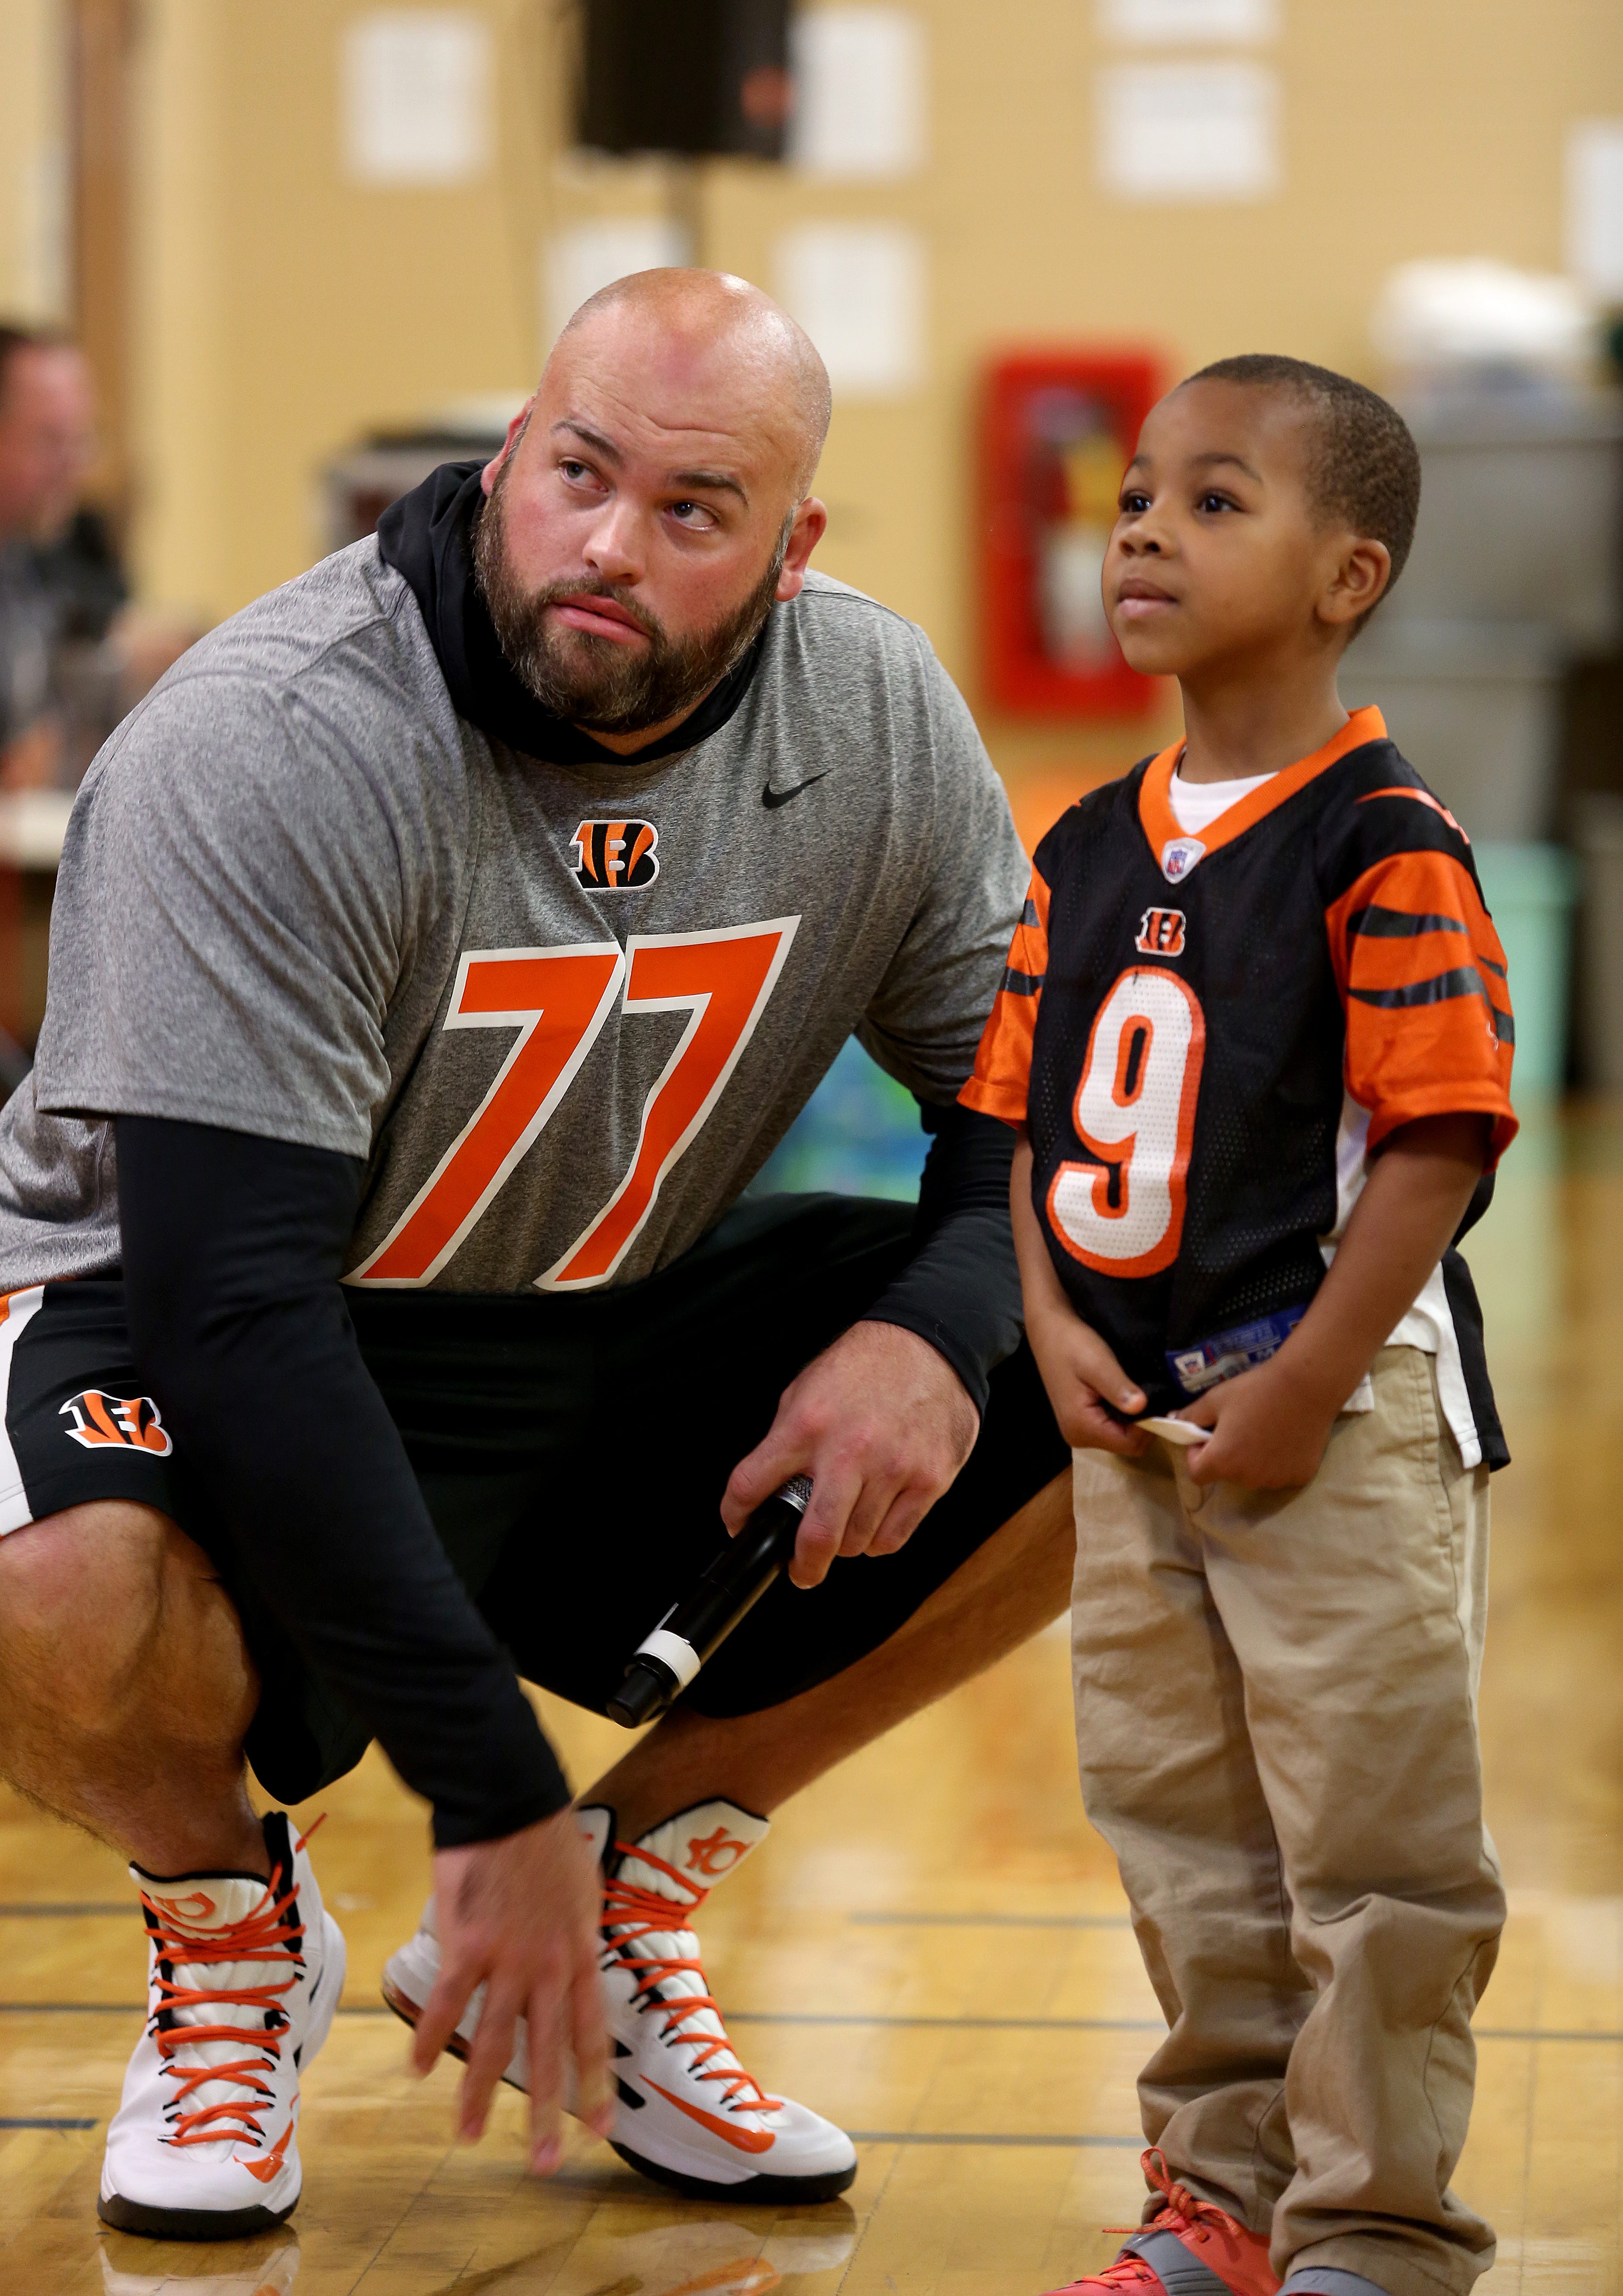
[[1178, 858]]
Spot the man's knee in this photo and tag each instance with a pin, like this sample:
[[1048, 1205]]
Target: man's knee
[[84, 1598]]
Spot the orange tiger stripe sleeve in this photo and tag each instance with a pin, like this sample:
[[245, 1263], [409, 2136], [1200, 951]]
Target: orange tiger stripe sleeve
[[997, 1086], [1421, 976]]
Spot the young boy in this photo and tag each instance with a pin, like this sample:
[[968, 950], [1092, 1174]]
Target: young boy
[[1256, 1037]]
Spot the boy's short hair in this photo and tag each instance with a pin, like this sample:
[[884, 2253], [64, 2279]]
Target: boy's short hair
[[1363, 466]]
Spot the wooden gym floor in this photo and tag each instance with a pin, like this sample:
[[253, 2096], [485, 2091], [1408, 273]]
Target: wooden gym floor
[[933, 1948]]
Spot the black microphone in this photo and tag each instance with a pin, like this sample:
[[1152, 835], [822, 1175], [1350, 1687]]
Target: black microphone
[[666, 1660]]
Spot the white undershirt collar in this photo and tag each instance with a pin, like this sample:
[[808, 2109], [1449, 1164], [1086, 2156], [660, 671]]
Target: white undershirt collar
[[1196, 805]]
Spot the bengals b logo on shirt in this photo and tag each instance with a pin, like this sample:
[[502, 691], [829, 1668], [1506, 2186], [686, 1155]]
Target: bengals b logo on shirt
[[125, 1423], [1161, 932], [615, 856]]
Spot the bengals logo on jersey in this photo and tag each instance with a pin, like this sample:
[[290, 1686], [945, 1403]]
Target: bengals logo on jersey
[[1162, 932], [129, 1423], [616, 856]]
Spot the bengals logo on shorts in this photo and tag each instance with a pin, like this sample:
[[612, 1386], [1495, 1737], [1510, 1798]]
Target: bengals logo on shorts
[[615, 856], [130, 1422], [1161, 932]]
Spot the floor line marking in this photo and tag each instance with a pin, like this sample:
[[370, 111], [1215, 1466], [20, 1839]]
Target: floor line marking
[[72, 2008], [992, 1921], [1521, 2033], [26, 1910], [816, 2017], [973, 2024], [84, 1909], [6, 2123], [139, 2008], [1081, 2024], [943, 2137]]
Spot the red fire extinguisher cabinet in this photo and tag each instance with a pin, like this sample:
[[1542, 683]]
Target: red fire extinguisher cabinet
[[1057, 429]]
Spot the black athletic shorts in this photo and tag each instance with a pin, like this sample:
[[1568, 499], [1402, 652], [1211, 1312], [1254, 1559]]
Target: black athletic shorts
[[572, 1449]]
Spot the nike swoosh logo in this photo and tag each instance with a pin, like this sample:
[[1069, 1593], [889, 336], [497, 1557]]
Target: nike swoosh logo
[[270, 2168], [743, 2140], [772, 799]]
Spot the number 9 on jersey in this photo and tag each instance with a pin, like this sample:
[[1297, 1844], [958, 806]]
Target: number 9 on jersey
[[1134, 1111]]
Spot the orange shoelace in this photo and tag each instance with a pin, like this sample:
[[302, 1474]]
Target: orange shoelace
[[633, 1915], [1180, 2212], [272, 1928], [1129, 2271]]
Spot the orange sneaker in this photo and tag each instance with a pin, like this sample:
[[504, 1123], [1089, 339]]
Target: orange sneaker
[[1189, 2248]]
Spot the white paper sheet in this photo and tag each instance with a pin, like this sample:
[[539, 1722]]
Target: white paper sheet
[[1188, 22], [1188, 132], [587, 256], [417, 96], [859, 92], [858, 291], [1595, 206]]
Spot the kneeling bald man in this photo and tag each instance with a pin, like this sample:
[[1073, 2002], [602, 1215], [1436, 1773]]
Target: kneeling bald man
[[438, 952]]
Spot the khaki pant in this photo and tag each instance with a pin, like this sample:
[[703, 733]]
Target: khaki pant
[[1276, 1712]]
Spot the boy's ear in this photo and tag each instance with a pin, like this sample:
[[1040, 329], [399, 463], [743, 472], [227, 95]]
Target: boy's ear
[[1358, 582]]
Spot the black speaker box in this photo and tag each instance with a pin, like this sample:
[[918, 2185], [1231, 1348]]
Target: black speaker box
[[685, 76]]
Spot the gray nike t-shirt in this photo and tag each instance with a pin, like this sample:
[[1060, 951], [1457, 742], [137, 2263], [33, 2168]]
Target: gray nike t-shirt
[[563, 1013]]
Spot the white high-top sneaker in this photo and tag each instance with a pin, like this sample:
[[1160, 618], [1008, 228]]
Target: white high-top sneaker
[[689, 2114], [244, 1976]]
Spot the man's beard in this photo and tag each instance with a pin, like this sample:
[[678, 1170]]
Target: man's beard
[[606, 686]]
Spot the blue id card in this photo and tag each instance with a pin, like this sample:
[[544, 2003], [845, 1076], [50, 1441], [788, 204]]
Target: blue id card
[[1228, 1353]]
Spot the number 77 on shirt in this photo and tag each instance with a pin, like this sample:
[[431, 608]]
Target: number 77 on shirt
[[559, 1000]]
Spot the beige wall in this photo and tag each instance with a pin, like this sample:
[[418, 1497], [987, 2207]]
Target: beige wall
[[282, 310], [33, 134]]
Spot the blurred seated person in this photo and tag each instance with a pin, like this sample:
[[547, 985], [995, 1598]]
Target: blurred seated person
[[74, 654]]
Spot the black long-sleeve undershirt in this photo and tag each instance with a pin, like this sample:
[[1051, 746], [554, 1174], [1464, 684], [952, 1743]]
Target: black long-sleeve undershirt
[[233, 1247], [961, 1292]]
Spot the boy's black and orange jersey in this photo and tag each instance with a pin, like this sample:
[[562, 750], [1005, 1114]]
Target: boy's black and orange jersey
[[1208, 1036]]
